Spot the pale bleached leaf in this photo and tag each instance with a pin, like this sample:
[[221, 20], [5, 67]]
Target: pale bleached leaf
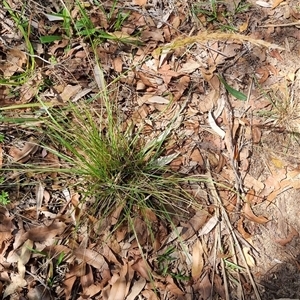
[[158, 100], [212, 123]]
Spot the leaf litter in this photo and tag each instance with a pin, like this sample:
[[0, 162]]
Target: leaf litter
[[174, 72]]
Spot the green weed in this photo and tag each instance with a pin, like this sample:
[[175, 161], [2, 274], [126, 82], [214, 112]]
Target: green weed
[[4, 198]]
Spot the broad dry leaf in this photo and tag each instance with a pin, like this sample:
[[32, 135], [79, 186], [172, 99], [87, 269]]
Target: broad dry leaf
[[15, 59], [139, 2], [242, 231], [24, 257], [118, 64], [197, 258], [44, 234], [118, 289], [90, 257], [194, 224], [248, 213], [189, 67]]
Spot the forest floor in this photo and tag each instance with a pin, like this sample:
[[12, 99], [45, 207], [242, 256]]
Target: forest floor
[[207, 91]]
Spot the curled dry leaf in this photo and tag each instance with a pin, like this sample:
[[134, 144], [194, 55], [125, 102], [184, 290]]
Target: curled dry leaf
[[242, 231], [248, 213]]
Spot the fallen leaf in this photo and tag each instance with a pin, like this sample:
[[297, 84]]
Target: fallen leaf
[[172, 287], [90, 257], [17, 282], [276, 3], [23, 155], [158, 100], [139, 2], [264, 4], [213, 125], [136, 289], [69, 92], [142, 267], [118, 289], [293, 233], [197, 260], [242, 231], [249, 259], [194, 224], [248, 213]]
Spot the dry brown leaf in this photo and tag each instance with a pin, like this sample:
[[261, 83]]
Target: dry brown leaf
[[204, 287], [15, 59], [45, 233], [136, 289], [276, 3], [242, 231], [118, 289], [219, 287], [194, 224], [69, 92], [244, 26], [283, 242], [90, 257], [197, 260], [118, 64], [158, 100], [23, 155], [142, 267], [248, 213], [31, 88], [172, 287], [139, 2]]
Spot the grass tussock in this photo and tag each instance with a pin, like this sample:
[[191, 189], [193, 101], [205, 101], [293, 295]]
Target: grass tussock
[[115, 170]]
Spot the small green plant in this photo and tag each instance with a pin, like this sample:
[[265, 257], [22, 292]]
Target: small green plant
[[4, 198], [1, 135], [165, 261]]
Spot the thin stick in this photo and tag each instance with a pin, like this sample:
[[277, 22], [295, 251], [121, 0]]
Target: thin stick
[[280, 25]]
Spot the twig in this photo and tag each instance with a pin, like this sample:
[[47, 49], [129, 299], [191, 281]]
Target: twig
[[280, 25]]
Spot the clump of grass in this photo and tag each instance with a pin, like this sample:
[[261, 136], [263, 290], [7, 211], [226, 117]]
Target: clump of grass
[[286, 108], [115, 169]]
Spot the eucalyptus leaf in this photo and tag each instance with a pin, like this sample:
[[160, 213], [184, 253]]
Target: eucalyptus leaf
[[237, 94]]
